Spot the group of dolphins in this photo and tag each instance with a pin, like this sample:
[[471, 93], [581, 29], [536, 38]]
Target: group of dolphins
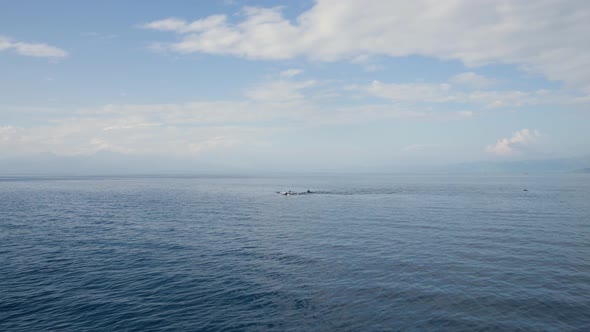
[[290, 192]]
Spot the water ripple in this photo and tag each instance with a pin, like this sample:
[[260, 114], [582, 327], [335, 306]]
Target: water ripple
[[360, 253]]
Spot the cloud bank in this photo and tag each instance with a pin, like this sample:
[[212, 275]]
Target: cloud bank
[[546, 37], [199, 128]]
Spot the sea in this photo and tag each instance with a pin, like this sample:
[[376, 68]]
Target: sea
[[400, 252]]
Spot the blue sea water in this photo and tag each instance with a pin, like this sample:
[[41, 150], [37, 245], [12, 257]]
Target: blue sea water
[[362, 253]]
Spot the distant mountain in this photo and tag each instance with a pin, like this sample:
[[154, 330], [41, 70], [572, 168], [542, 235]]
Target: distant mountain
[[526, 166], [582, 170]]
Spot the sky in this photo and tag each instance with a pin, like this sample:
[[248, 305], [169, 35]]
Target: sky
[[294, 85]]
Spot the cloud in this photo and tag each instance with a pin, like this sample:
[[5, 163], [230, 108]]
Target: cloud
[[279, 102], [279, 91], [198, 128], [198, 113], [289, 73], [169, 24], [32, 49], [438, 93], [515, 144], [546, 37], [472, 79], [86, 136], [412, 92], [181, 26], [367, 62]]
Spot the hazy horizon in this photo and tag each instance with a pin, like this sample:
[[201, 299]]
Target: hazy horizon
[[104, 163]]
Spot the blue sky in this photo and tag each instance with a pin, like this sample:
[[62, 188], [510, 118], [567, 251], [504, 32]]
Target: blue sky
[[298, 85]]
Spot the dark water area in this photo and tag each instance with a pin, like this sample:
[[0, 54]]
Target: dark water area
[[362, 253]]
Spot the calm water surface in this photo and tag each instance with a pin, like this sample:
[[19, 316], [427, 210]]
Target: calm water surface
[[363, 253]]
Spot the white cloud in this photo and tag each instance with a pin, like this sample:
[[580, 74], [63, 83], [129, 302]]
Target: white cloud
[[32, 49], [88, 135], [7, 134], [279, 91], [5, 43], [200, 113], [412, 92], [197, 128], [448, 93], [367, 62], [546, 37], [515, 144], [289, 73], [472, 79], [181, 26], [169, 24]]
